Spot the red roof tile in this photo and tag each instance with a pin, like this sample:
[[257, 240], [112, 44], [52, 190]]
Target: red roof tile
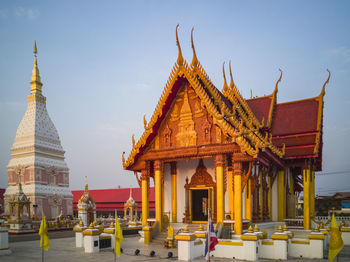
[[111, 199], [295, 117], [260, 107]]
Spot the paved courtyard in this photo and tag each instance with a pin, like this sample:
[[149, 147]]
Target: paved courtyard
[[63, 249]]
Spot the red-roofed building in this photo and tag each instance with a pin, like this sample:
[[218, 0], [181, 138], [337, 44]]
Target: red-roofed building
[[203, 148], [107, 200]]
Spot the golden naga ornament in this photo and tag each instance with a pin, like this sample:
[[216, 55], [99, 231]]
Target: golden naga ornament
[[144, 122], [133, 140]]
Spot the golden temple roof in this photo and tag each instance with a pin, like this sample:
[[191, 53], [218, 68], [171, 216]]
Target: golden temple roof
[[230, 111]]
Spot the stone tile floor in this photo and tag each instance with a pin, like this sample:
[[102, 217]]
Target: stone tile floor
[[63, 249]]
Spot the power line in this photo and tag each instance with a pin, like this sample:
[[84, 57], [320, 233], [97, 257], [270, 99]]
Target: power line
[[334, 173]]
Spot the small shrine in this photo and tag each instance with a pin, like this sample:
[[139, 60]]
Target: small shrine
[[20, 220], [131, 206], [86, 207]]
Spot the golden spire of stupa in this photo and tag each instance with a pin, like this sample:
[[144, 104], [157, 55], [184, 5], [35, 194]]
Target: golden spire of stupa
[[36, 84], [86, 189]]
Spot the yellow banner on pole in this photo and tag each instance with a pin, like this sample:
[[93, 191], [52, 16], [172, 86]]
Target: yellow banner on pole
[[44, 237], [335, 241], [118, 236]]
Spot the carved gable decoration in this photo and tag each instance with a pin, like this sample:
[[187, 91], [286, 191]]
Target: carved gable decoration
[[198, 111], [186, 135], [174, 116], [201, 177], [167, 136], [206, 127]]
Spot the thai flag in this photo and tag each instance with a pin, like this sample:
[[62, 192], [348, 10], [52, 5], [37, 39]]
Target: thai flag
[[212, 240]]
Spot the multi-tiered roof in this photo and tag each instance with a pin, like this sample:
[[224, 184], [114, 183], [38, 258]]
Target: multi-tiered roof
[[259, 126]]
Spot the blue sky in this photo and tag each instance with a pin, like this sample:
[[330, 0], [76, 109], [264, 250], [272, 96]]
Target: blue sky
[[104, 64]]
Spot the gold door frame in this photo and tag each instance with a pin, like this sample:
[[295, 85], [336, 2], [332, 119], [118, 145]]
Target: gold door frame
[[200, 180], [210, 199]]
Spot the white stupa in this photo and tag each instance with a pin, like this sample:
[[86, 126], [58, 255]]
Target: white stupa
[[38, 158]]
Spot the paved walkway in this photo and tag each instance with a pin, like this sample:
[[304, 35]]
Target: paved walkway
[[63, 249]]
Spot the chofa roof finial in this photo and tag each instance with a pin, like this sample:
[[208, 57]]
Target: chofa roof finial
[[180, 59], [194, 59], [225, 87], [279, 80], [325, 83], [232, 83]]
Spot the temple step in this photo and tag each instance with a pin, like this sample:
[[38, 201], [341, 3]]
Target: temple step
[[178, 227]]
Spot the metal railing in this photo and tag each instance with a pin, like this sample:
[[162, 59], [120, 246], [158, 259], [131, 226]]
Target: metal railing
[[299, 221]]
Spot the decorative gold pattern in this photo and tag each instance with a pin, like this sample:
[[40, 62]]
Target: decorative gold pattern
[[186, 135], [201, 177], [167, 136], [206, 127]]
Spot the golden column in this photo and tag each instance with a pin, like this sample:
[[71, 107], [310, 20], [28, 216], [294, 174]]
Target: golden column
[[145, 198], [230, 192], [18, 211], [220, 205], [312, 194], [248, 200], [261, 192], [237, 173], [158, 173], [269, 195], [306, 182], [173, 192], [291, 201], [281, 196]]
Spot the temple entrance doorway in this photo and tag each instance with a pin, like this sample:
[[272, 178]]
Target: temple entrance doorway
[[199, 205]]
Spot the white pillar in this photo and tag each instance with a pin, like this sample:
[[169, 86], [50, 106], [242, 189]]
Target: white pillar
[[4, 241]]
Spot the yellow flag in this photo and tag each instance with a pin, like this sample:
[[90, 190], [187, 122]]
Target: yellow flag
[[118, 236], [44, 238], [335, 241]]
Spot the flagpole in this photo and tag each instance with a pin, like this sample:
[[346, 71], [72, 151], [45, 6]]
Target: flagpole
[[115, 221], [208, 235], [41, 238]]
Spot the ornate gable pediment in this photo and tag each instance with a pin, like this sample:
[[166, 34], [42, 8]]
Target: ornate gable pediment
[[230, 113], [201, 177]]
